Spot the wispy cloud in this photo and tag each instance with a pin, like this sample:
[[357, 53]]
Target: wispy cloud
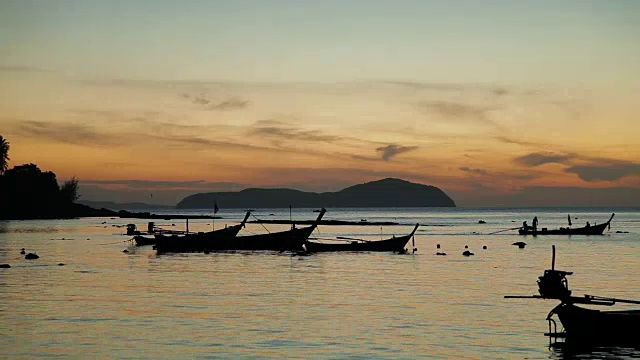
[[167, 184], [458, 110], [450, 87], [611, 171], [509, 140], [390, 151], [291, 133], [541, 158], [474, 171], [22, 68], [213, 103], [67, 133]]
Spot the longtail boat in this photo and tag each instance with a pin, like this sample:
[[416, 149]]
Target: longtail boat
[[192, 241], [584, 326], [395, 244], [289, 240], [586, 230]]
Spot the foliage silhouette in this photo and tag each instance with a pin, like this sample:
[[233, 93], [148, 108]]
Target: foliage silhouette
[[4, 155]]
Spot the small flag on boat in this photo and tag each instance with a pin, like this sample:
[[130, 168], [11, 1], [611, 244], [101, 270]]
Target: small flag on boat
[[569, 218], [215, 207]]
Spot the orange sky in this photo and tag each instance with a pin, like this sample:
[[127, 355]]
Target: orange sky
[[462, 137], [322, 95]]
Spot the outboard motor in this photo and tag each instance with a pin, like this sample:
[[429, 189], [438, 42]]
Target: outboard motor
[[132, 229]]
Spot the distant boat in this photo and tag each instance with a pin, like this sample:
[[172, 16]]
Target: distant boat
[[192, 241], [586, 230], [290, 240], [395, 244], [585, 327]]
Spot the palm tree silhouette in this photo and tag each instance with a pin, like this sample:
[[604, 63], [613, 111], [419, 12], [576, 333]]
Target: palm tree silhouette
[[4, 155]]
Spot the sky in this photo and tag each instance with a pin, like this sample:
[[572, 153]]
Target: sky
[[497, 103]]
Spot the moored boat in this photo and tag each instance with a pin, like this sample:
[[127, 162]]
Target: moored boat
[[591, 326], [585, 230], [194, 241], [289, 240], [395, 244], [584, 327]]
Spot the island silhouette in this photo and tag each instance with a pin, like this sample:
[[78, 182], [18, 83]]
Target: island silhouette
[[389, 192]]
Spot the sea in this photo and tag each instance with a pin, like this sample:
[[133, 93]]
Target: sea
[[86, 297]]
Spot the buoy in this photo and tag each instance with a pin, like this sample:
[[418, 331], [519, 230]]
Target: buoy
[[31, 256], [484, 247], [466, 246], [438, 246]]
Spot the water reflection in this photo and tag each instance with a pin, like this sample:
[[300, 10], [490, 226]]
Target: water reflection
[[363, 305], [584, 351]]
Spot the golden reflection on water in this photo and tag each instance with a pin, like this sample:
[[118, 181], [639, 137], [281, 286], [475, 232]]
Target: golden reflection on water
[[106, 303]]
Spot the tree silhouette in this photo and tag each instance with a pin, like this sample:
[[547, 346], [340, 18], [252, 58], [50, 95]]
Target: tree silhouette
[[4, 155], [69, 190]]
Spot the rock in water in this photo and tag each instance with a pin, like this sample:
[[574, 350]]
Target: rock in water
[[467, 253], [4, 266], [31, 256]]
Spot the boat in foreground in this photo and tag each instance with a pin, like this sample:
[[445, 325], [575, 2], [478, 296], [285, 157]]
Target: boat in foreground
[[290, 240], [584, 327], [591, 326], [586, 230], [395, 244]]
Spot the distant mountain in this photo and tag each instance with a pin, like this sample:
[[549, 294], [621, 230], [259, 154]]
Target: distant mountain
[[382, 193], [122, 206]]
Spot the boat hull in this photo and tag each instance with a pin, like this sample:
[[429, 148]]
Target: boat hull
[[279, 241], [395, 244], [143, 240], [588, 326], [197, 241], [590, 230]]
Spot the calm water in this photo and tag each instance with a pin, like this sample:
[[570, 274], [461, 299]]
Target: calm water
[[104, 303]]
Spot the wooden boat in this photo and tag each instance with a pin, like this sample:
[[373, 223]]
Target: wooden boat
[[395, 244], [290, 240], [193, 241], [142, 238], [596, 327], [586, 230], [583, 326]]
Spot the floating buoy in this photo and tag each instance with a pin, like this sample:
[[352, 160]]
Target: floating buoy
[[466, 246], [484, 247], [31, 256], [438, 246]]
